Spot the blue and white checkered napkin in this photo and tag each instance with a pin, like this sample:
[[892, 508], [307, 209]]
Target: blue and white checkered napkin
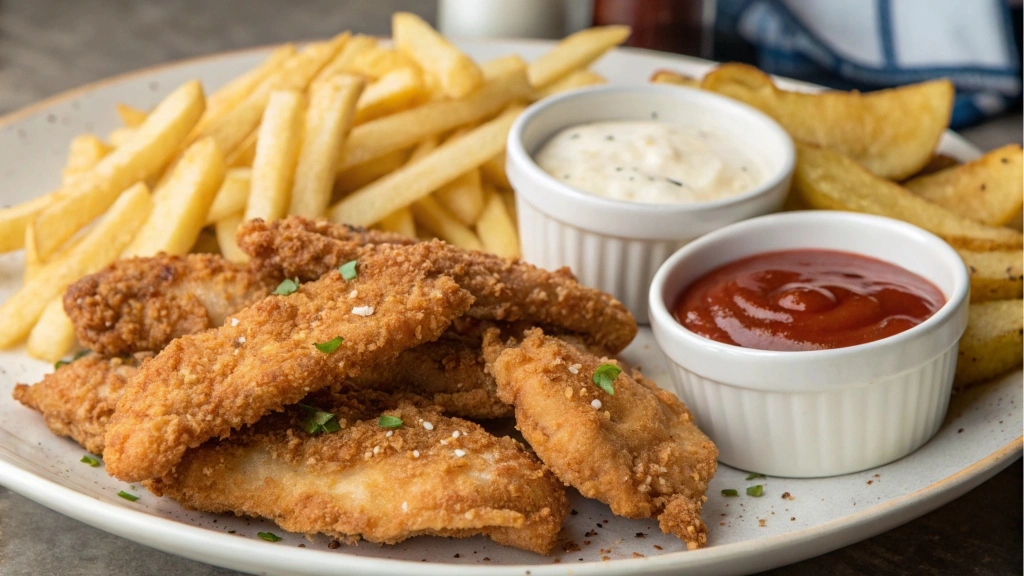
[[872, 44]]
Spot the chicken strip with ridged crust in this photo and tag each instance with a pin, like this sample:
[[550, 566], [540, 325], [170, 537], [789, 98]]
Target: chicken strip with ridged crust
[[276, 351], [638, 450]]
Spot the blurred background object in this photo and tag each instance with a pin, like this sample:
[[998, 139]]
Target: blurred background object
[[680, 26], [550, 19]]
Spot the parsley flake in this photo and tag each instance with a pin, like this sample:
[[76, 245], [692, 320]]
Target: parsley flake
[[287, 286], [348, 270], [730, 492], [329, 346], [755, 491], [127, 496], [90, 461], [318, 422], [268, 536], [77, 355], [386, 421], [753, 475], [605, 375]]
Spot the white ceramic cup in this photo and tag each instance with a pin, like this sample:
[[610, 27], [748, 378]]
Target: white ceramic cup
[[822, 412], [614, 245]]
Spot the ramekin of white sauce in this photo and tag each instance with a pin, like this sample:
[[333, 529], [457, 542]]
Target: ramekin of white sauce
[[610, 181]]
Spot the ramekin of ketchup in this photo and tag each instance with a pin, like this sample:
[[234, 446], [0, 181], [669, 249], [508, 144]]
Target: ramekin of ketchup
[[813, 343]]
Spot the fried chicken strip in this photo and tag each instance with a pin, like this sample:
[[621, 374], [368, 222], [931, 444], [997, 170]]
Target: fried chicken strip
[[78, 398], [638, 450], [141, 304], [204, 385], [505, 290], [433, 475]]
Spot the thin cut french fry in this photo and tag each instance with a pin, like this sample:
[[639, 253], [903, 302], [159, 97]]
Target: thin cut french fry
[[432, 216], [496, 229], [177, 216], [417, 179], [53, 336], [14, 220], [343, 62], [400, 222], [148, 151], [32, 260], [391, 93], [98, 248], [463, 197], [377, 62], [575, 51], [85, 151], [232, 196], [277, 148], [576, 79], [332, 106], [457, 73], [226, 230], [131, 116], [229, 95]]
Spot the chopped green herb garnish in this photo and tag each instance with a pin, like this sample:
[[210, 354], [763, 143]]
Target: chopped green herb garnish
[[329, 346], [755, 491], [269, 536], [730, 492], [605, 375], [348, 270], [386, 421], [77, 355], [318, 421], [127, 496], [287, 286], [753, 475], [90, 461]]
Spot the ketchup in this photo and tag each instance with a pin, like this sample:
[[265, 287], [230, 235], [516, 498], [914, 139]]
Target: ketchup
[[806, 300]]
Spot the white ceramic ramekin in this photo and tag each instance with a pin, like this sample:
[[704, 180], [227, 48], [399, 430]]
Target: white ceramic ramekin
[[824, 412], [617, 246]]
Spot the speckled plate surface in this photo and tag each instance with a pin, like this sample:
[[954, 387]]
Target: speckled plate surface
[[793, 520]]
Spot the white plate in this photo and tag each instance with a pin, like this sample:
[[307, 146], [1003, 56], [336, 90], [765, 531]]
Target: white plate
[[981, 435]]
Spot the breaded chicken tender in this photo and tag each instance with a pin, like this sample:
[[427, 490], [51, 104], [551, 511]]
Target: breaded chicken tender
[[638, 450], [505, 290], [277, 351], [430, 475]]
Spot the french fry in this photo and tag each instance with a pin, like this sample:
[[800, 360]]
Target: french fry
[[432, 216], [14, 220], [384, 135], [98, 248], [332, 107], [496, 229], [993, 342], [997, 275], [226, 230], [502, 66], [344, 61], [417, 179], [392, 92], [277, 148], [358, 176], [53, 336], [232, 195], [989, 189], [131, 116], [575, 51], [493, 171], [179, 207], [243, 154], [32, 260], [85, 151], [400, 222], [457, 74], [830, 181], [150, 148], [669, 77], [463, 197], [231, 94], [572, 81], [509, 199], [377, 62], [119, 136]]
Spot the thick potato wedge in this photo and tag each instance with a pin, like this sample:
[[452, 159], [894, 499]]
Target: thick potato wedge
[[392, 92], [226, 230], [997, 275], [828, 180], [277, 150], [891, 132], [670, 77], [84, 153], [496, 229], [575, 51], [456, 73], [232, 196], [181, 205], [993, 343], [332, 107], [98, 248], [404, 129], [400, 222], [572, 81], [149, 149], [53, 336], [418, 179], [989, 189], [429, 214], [131, 116]]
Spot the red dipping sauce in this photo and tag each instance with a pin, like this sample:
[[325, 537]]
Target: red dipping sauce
[[806, 300]]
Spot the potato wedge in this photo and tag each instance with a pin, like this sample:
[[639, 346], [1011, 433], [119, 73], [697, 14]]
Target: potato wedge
[[993, 343], [891, 132], [989, 189], [226, 230], [997, 275], [53, 336], [493, 172], [828, 180], [404, 129], [98, 248], [429, 214], [332, 107], [575, 51], [149, 150], [670, 77], [131, 116], [358, 176], [463, 197], [456, 72], [232, 195], [575, 79], [418, 179], [392, 92], [277, 150], [400, 222], [84, 153], [496, 229], [181, 205]]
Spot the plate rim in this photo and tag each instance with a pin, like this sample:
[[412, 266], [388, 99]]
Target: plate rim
[[134, 524]]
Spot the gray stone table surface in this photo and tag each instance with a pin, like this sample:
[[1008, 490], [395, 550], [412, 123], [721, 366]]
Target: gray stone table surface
[[47, 46]]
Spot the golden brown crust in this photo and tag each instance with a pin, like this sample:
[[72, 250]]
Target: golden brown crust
[[505, 290], [204, 385], [381, 485], [638, 450]]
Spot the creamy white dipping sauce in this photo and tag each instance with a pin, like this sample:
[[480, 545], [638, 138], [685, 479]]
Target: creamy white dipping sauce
[[652, 162]]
